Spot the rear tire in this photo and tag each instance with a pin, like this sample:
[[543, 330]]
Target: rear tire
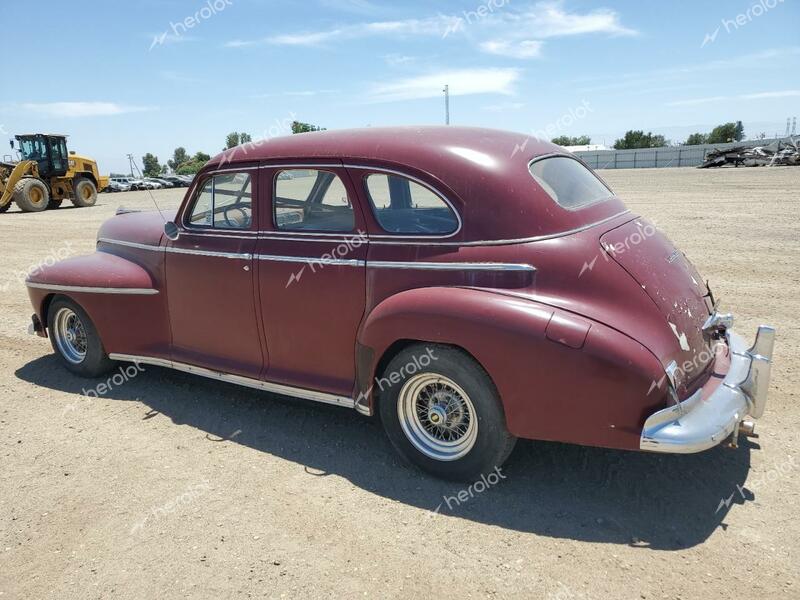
[[85, 192], [31, 194], [75, 339], [445, 415]]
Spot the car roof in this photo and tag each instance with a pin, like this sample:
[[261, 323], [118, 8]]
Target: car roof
[[484, 172]]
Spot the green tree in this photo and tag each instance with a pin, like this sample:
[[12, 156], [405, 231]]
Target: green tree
[[201, 157], [245, 138], [231, 140], [194, 164], [151, 166], [696, 139], [565, 140], [300, 127], [639, 139], [727, 132], [179, 156]]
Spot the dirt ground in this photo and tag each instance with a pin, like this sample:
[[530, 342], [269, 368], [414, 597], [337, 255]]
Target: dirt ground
[[173, 486]]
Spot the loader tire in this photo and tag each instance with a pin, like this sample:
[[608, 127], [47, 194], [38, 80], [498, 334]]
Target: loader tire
[[31, 195], [85, 192], [54, 203], [7, 206]]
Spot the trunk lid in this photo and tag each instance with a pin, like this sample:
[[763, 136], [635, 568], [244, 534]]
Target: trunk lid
[[671, 282]]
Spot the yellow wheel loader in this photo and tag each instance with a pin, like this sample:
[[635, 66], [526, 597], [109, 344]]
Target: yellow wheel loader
[[47, 175]]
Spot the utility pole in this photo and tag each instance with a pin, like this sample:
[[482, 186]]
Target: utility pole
[[446, 104], [130, 163]]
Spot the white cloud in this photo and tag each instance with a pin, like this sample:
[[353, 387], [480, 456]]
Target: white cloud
[[756, 96], [504, 106], [523, 49], [510, 30], [462, 82], [395, 60], [81, 109]]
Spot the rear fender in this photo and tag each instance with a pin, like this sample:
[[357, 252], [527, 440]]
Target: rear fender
[[560, 377]]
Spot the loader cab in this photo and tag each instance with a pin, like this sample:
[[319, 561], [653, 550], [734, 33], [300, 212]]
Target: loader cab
[[48, 151]]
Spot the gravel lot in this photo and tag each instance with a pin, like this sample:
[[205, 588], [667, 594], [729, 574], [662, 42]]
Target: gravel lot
[[174, 486]]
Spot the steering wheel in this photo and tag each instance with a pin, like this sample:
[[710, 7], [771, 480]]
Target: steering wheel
[[242, 222]]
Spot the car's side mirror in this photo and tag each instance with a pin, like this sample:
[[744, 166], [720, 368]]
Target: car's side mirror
[[171, 230]]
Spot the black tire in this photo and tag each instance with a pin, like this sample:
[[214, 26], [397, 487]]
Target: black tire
[[95, 361], [492, 443], [31, 194], [54, 203], [84, 192]]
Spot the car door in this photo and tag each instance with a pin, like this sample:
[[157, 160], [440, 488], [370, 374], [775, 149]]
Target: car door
[[210, 277], [311, 276]]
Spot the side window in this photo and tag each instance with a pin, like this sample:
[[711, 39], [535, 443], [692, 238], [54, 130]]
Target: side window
[[404, 206], [312, 200], [224, 202]]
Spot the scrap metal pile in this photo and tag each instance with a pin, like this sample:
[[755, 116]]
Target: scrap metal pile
[[779, 152]]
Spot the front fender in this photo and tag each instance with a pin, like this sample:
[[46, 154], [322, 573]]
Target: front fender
[[560, 377], [120, 296]]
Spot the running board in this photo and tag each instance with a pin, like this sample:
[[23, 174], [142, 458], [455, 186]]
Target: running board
[[265, 386]]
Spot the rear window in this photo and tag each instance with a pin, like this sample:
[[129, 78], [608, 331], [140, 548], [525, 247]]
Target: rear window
[[569, 182]]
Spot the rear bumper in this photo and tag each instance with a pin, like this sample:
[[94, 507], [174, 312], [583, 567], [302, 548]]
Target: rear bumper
[[705, 420]]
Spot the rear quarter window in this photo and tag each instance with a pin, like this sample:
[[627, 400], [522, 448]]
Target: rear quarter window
[[567, 181]]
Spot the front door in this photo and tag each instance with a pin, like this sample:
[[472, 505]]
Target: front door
[[312, 277], [210, 278]]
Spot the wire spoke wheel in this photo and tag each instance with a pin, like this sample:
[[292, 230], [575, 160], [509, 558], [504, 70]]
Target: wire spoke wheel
[[70, 336], [437, 416]]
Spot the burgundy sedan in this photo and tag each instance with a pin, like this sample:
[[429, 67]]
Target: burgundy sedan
[[467, 285]]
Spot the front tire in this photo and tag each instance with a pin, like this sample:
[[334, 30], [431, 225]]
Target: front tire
[[442, 412], [75, 339], [85, 192], [31, 195]]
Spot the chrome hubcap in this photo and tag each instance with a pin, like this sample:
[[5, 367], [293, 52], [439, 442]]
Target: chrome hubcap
[[70, 336], [437, 417]]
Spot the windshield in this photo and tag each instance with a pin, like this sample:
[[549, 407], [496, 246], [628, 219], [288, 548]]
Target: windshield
[[569, 182], [32, 148]]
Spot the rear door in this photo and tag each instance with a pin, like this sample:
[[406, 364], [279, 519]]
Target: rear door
[[311, 276]]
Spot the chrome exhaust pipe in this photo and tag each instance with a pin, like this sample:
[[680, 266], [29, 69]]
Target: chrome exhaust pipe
[[748, 428]]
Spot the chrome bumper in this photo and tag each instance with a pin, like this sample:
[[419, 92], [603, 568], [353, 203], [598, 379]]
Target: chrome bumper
[[698, 423]]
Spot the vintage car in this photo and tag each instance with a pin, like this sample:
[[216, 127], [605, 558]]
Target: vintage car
[[470, 286]]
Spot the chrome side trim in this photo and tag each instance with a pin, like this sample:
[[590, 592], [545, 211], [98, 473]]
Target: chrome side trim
[[267, 386], [92, 290], [537, 238], [310, 260], [301, 166], [452, 266], [213, 254], [291, 238], [130, 244]]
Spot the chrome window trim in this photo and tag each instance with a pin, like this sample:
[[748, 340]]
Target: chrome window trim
[[575, 158], [92, 289], [302, 166], [310, 260], [418, 181], [267, 386], [451, 266], [536, 238], [197, 189], [291, 238]]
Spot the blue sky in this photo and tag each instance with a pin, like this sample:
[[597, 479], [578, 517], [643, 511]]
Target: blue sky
[[133, 77]]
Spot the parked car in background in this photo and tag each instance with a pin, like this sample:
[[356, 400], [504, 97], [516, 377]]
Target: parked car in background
[[116, 186], [143, 184], [468, 292], [175, 180], [162, 182]]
